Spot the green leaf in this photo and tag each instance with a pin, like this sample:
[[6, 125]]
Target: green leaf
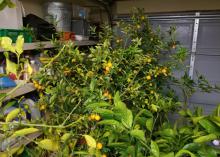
[[90, 141], [171, 154], [192, 146], [19, 44], [210, 126], [118, 103], [216, 120], [207, 151], [206, 138], [105, 113], [10, 4], [92, 84], [155, 149], [139, 134], [49, 144], [149, 124], [184, 152], [6, 44], [109, 122], [197, 119], [167, 133], [97, 105]]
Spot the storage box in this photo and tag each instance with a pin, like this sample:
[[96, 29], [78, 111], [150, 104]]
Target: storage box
[[14, 33]]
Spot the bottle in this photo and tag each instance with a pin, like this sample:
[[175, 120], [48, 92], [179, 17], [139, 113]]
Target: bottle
[[34, 66], [25, 74]]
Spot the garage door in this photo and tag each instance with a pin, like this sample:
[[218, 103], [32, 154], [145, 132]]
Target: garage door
[[206, 47]]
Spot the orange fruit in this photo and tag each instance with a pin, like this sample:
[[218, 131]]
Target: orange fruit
[[164, 70], [99, 145], [148, 77], [92, 116], [149, 60], [97, 117]]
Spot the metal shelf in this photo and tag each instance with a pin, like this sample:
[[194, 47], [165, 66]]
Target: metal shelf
[[48, 44], [26, 88]]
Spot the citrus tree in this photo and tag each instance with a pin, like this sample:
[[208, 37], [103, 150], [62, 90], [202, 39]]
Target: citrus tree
[[113, 99]]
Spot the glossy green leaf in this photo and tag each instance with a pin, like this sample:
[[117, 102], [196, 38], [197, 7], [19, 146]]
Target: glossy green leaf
[[207, 151], [206, 138], [197, 119], [19, 44], [139, 134], [210, 126], [149, 124], [93, 106], [109, 122], [118, 103], [184, 152], [155, 149], [90, 141], [6, 44], [192, 146], [92, 85], [105, 113]]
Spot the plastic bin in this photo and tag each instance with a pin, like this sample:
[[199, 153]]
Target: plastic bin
[[14, 33]]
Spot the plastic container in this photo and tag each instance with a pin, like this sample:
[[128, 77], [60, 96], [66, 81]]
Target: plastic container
[[59, 12], [6, 82], [68, 36], [14, 33]]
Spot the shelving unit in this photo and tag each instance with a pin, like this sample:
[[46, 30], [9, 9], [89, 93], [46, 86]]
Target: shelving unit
[[48, 44], [26, 88]]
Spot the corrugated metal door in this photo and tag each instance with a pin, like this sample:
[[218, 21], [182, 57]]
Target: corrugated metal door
[[207, 53]]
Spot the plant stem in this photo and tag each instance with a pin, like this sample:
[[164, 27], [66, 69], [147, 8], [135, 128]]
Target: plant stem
[[12, 91], [42, 125], [54, 58], [68, 117]]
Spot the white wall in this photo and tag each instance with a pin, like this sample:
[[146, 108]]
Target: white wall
[[152, 6]]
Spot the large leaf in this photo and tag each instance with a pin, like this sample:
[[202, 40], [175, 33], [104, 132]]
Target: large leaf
[[6, 44], [206, 138], [19, 44], [184, 152], [192, 146], [166, 133], [118, 103], [90, 141], [105, 113], [49, 144], [209, 126], [155, 149], [216, 120], [149, 124], [139, 134], [92, 84], [25, 131], [93, 106], [207, 151], [122, 113], [109, 122]]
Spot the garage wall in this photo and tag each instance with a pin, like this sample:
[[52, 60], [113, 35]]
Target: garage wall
[[152, 6]]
